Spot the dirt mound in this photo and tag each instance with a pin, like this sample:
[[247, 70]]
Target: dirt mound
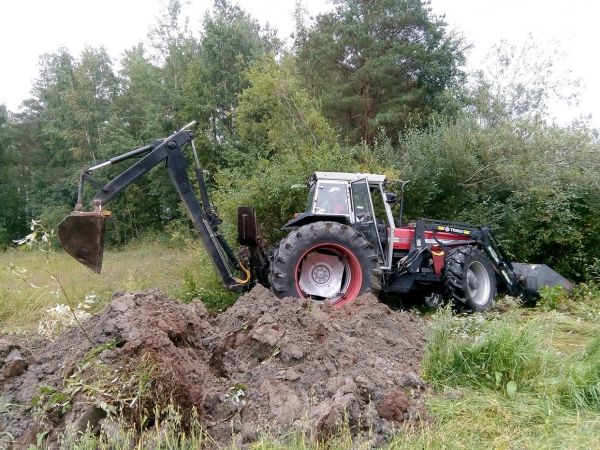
[[264, 364]]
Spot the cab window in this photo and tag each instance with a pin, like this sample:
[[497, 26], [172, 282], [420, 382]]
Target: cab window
[[311, 198], [332, 198]]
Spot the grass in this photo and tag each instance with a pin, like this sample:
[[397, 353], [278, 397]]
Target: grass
[[27, 289], [168, 433], [529, 378], [472, 418], [506, 354]]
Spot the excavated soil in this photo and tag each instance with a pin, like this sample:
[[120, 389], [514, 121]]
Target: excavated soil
[[264, 364]]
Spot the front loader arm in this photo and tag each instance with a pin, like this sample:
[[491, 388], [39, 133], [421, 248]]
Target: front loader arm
[[81, 234], [517, 278]]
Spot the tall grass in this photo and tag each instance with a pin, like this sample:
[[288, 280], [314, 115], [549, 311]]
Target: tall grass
[[472, 418], [530, 379], [506, 352], [27, 288], [171, 431], [579, 382]]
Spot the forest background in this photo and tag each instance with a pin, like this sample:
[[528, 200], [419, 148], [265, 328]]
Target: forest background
[[373, 86]]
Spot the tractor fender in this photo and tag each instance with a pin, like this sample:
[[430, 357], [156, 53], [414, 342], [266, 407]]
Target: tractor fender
[[307, 218]]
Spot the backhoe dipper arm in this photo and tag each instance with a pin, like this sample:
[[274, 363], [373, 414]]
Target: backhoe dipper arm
[[202, 215]]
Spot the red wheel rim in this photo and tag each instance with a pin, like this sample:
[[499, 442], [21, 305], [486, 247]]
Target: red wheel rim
[[352, 289]]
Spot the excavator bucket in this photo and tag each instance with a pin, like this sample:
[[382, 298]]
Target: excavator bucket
[[81, 234], [533, 277]]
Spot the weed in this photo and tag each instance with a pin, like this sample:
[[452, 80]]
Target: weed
[[553, 297], [215, 299], [478, 419], [60, 317], [169, 431], [191, 290], [529, 379], [51, 402]]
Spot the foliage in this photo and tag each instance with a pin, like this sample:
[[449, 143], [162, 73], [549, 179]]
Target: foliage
[[378, 64], [291, 139], [12, 212], [212, 295], [554, 405], [277, 187], [536, 185], [521, 82], [482, 152], [553, 297], [230, 42], [276, 114]]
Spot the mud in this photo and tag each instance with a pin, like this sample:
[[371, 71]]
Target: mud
[[264, 364]]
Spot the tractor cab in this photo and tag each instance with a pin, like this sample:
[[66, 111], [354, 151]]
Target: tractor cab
[[356, 199]]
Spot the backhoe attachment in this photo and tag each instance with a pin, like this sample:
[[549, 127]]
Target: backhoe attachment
[[82, 233]]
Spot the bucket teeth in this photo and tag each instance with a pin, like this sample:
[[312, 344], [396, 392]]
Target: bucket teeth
[[81, 235]]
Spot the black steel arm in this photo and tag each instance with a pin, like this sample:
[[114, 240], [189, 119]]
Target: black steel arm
[[202, 215]]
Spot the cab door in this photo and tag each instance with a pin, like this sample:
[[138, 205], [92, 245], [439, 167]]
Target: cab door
[[363, 216]]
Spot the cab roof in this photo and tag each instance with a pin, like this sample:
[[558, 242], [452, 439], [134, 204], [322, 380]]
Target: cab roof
[[346, 176]]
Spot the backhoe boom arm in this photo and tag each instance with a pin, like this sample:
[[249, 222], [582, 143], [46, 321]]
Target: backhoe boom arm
[[81, 233]]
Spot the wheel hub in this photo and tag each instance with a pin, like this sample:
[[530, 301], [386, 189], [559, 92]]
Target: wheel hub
[[472, 281], [321, 275], [478, 283]]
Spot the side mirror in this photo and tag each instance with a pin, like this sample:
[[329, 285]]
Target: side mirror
[[391, 198]]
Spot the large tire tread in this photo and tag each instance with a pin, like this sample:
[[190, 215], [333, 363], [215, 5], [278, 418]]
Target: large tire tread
[[454, 278], [292, 247]]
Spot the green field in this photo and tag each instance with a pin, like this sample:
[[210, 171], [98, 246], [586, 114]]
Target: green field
[[515, 377], [28, 288]]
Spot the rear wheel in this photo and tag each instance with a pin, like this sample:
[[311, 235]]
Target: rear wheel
[[325, 260], [469, 279]]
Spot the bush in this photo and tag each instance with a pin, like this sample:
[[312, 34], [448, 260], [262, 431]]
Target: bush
[[275, 189], [535, 184]]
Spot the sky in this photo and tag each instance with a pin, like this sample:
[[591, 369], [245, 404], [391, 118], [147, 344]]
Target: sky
[[29, 28]]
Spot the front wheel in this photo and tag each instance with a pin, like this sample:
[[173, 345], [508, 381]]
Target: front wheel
[[469, 279], [325, 260]]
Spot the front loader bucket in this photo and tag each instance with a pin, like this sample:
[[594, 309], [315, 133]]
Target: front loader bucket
[[533, 277], [81, 234]]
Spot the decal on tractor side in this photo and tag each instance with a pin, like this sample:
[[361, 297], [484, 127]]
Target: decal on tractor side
[[453, 230]]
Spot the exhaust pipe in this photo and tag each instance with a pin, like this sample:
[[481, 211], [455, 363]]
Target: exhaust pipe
[[81, 235]]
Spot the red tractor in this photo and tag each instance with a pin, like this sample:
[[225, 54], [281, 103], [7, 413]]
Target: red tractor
[[347, 242]]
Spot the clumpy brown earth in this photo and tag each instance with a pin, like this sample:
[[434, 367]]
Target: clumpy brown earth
[[264, 364]]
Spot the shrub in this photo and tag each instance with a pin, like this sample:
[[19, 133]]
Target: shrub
[[535, 184], [275, 189]]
